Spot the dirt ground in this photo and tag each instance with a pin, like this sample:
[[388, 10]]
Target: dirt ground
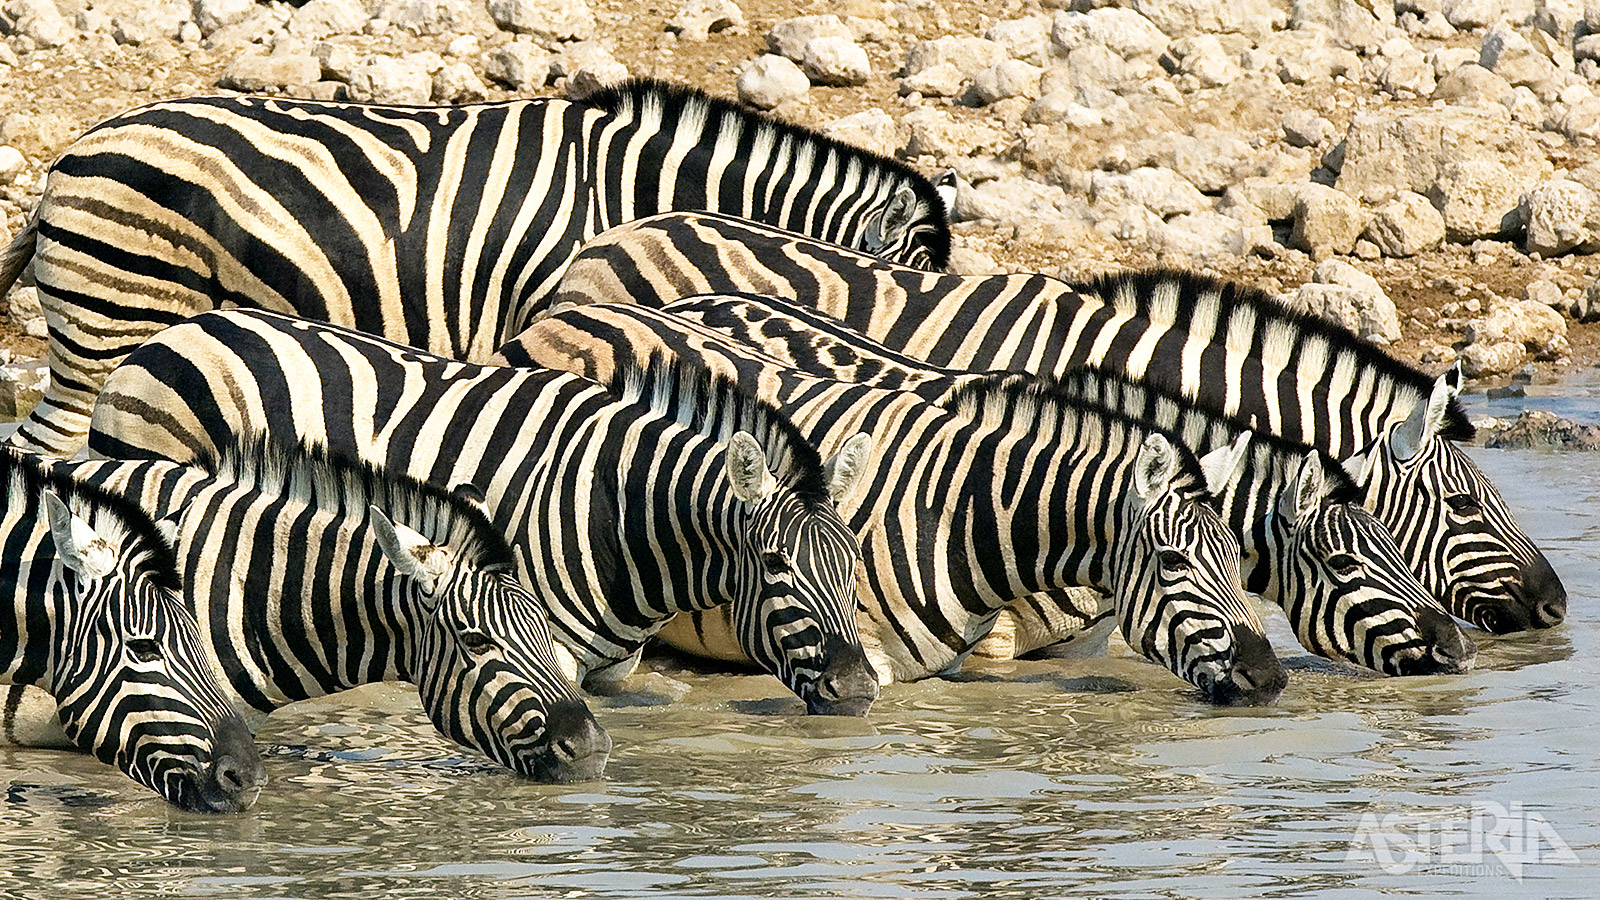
[[54, 94]]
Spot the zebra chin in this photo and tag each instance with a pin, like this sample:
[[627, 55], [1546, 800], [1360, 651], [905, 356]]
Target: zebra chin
[[1446, 649], [572, 748], [1256, 677], [846, 687], [230, 782]]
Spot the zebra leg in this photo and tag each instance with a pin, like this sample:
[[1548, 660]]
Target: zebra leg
[[29, 719]]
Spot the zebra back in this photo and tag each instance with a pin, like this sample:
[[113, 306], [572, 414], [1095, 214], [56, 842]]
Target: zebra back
[[621, 505], [96, 620], [312, 573], [1229, 348]]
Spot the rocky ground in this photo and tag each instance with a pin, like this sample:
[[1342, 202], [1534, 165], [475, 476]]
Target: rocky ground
[[1424, 170]]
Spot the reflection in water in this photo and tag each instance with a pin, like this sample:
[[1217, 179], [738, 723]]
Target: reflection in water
[[1022, 779]]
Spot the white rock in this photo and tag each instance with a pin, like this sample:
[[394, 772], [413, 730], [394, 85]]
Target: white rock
[[1448, 59], [790, 37], [1577, 122], [1483, 360], [547, 20], [1545, 291], [12, 163], [433, 17], [770, 80], [1406, 226], [942, 80], [871, 129], [1202, 58], [931, 132], [22, 304], [1536, 327], [1178, 18], [1371, 316], [1009, 78], [1410, 150], [1007, 200], [265, 73], [1561, 215], [1470, 14], [384, 79], [1326, 220], [1206, 234], [322, 18], [1406, 76], [1122, 31], [1472, 85], [1304, 128], [1337, 271], [457, 83], [835, 60], [1347, 23], [594, 74], [697, 19], [1210, 158], [1508, 54], [519, 65], [970, 55], [968, 261], [211, 15], [1162, 191], [1480, 198], [1316, 64], [1025, 39]]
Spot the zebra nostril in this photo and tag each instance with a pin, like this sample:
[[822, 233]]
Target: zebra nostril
[[229, 776]]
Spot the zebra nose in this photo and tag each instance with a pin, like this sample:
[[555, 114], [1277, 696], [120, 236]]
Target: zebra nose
[[1257, 677], [848, 685], [1541, 591], [575, 746], [235, 776], [1449, 650]]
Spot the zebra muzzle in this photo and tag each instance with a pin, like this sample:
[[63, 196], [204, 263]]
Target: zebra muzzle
[[575, 747], [233, 779]]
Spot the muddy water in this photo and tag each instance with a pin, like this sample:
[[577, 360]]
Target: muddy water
[[1038, 779]]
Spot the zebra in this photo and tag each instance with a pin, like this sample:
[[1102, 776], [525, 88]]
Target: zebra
[[97, 621], [1225, 346], [661, 491], [1335, 570], [440, 227], [1136, 520], [310, 574]]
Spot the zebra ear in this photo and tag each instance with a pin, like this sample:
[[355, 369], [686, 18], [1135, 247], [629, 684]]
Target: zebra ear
[[895, 218], [946, 186], [1306, 492], [414, 555], [845, 467], [78, 546], [1221, 466], [469, 493], [1426, 419], [747, 469], [1154, 467], [168, 526]]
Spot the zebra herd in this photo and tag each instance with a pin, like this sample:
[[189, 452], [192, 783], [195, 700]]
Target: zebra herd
[[484, 398]]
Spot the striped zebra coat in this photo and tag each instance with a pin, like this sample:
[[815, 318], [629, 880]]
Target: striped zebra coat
[[1226, 347], [97, 621], [669, 491], [930, 590], [310, 575], [440, 227], [1330, 565]]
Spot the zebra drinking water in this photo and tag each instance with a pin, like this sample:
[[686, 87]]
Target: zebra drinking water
[[444, 228], [310, 574], [669, 491], [930, 598], [1227, 347], [96, 620]]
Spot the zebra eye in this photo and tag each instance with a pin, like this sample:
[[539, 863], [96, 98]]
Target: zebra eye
[[1463, 504], [775, 562], [1174, 561], [144, 649], [476, 641], [1343, 564]]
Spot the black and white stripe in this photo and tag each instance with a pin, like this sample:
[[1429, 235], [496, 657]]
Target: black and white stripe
[[97, 621], [1329, 563], [972, 505], [1226, 347], [669, 491], [310, 574], [444, 228]]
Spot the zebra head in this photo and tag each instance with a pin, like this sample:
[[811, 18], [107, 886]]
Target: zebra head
[[911, 228], [132, 683], [797, 618], [1348, 589], [1455, 529], [1175, 582], [484, 660]]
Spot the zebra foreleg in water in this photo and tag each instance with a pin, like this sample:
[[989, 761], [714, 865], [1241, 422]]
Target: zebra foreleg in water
[[670, 491], [1226, 347], [97, 621], [310, 574], [444, 228]]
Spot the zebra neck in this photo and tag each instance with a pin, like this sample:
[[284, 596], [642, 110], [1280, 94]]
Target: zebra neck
[[29, 637]]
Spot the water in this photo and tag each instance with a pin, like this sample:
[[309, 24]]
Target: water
[[1035, 779]]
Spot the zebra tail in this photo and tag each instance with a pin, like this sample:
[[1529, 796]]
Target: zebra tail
[[18, 253]]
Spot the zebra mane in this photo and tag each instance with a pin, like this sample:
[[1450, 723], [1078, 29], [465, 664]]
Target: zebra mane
[[1143, 400], [1024, 400], [311, 473], [677, 99], [689, 393], [1143, 285], [118, 520]]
